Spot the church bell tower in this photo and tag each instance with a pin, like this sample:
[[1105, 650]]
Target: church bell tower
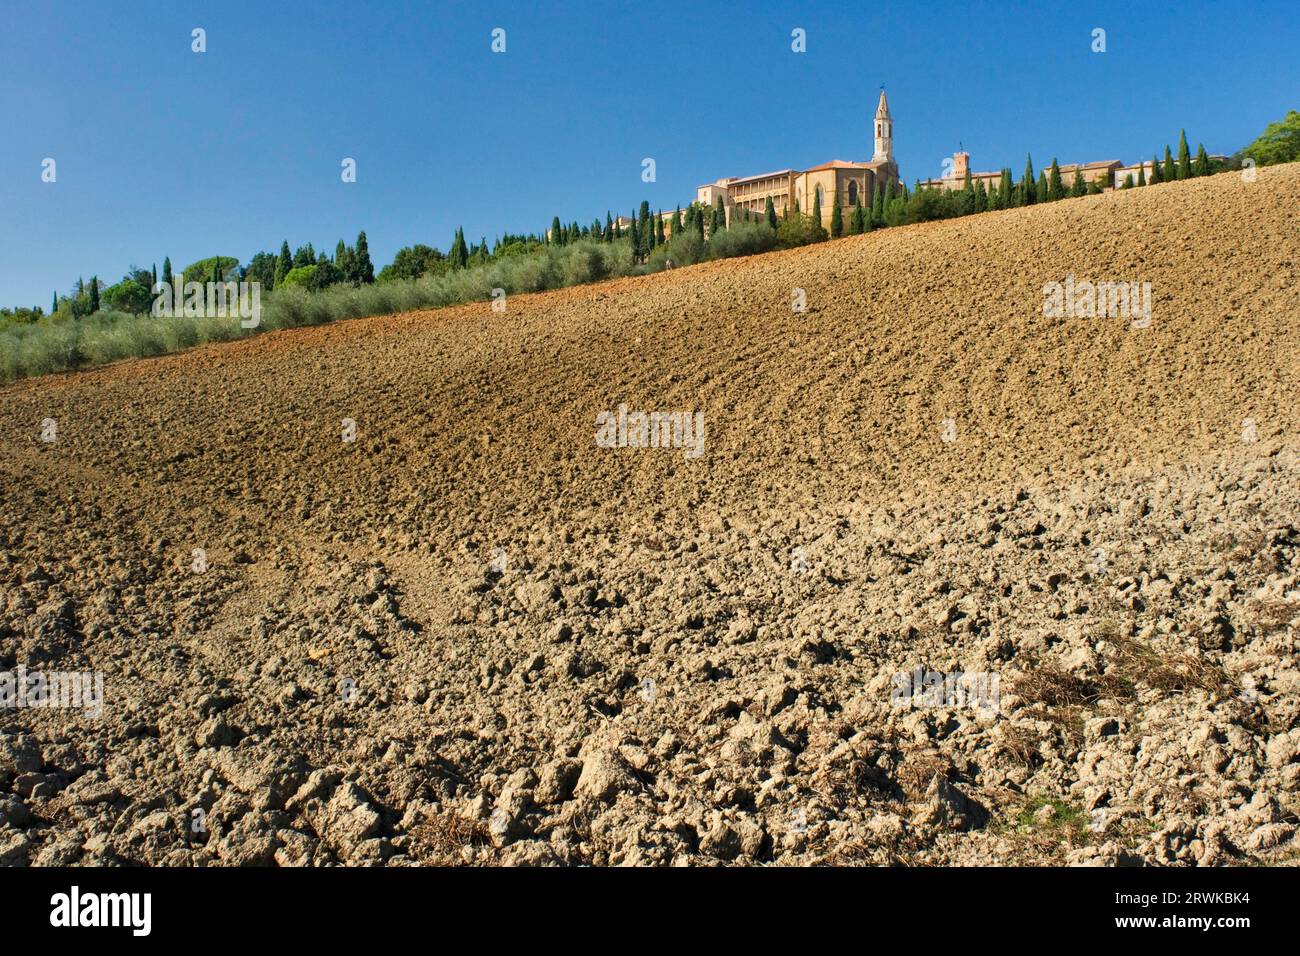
[[884, 132]]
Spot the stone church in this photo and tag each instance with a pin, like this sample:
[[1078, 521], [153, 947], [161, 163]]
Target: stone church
[[837, 181]]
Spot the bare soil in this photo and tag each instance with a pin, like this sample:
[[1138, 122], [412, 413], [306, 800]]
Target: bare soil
[[473, 636]]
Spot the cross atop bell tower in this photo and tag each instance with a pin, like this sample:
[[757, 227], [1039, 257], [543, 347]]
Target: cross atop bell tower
[[884, 131]]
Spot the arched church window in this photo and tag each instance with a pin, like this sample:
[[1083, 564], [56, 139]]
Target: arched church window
[[853, 193], [821, 196]]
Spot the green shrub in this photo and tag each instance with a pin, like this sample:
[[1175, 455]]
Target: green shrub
[[742, 239], [304, 276]]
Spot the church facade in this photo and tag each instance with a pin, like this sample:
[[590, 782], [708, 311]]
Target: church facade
[[838, 181]]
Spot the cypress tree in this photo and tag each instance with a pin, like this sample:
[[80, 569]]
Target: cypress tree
[[677, 222], [609, 226], [660, 238], [364, 268], [1004, 189], [283, 265], [1027, 189], [855, 221], [557, 231], [1155, 170], [94, 294], [458, 255], [1202, 165], [167, 266], [1142, 174], [719, 221], [55, 307], [769, 211], [635, 233], [1055, 188], [153, 270], [837, 217], [1184, 156], [981, 198], [817, 208], [1040, 194], [1170, 171]]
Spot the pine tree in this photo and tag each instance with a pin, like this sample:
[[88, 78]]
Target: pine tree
[[1184, 157], [1170, 170], [837, 217], [1202, 165], [1055, 188], [167, 266], [769, 211]]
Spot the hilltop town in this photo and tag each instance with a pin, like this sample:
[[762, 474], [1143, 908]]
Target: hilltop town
[[848, 184]]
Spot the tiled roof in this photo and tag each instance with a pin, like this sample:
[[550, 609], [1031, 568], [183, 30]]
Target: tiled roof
[[838, 164]]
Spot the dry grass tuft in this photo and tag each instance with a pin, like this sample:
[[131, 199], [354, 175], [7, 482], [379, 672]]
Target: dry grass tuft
[[439, 838], [1274, 614], [1136, 663]]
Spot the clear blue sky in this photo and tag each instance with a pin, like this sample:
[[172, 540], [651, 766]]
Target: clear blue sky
[[162, 151]]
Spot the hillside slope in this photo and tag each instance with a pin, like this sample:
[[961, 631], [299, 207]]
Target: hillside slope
[[473, 634]]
